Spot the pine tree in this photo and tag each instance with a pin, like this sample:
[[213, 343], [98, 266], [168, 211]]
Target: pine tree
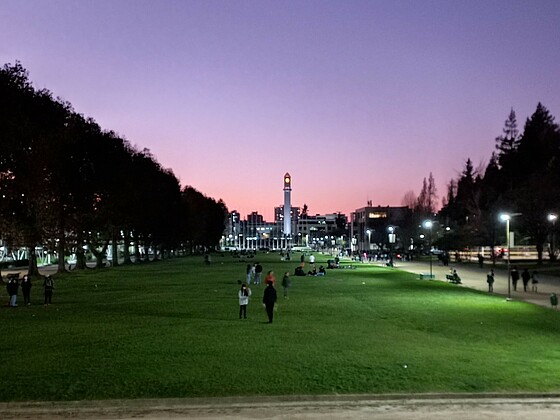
[[509, 141]]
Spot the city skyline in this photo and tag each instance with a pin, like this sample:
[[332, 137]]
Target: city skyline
[[357, 100]]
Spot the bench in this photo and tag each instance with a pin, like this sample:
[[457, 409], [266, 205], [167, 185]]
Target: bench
[[453, 278], [12, 276]]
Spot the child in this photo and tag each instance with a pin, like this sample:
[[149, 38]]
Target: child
[[244, 294]]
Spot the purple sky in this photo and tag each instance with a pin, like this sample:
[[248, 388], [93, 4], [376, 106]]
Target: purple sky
[[358, 100]]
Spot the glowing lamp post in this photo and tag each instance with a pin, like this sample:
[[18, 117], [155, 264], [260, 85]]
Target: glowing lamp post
[[505, 217], [552, 218], [392, 239], [428, 224]]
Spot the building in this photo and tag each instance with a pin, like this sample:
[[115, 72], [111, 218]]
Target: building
[[370, 227], [289, 229], [322, 231]]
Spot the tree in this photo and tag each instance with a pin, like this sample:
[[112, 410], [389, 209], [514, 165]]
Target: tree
[[67, 183], [508, 142], [537, 192], [409, 200], [427, 199], [203, 219]]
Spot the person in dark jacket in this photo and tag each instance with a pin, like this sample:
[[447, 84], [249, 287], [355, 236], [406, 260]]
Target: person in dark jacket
[[490, 280], [26, 289], [514, 277], [12, 289], [286, 284], [258, 272], [525, 276], [48, 284], [269, 300]]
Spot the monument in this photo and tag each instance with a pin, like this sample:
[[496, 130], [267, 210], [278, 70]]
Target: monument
[[287, 207]]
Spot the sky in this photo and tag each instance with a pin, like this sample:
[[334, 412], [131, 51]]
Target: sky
[[357, 100]]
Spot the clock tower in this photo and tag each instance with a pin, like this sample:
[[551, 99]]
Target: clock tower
[[287, 206]]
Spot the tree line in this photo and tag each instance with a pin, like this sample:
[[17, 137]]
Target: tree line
[[67, 184], [522, 178]]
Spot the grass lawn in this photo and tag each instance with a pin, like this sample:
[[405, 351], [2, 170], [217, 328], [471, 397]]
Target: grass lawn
[[171, 329]]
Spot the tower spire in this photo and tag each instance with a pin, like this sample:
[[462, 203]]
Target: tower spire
[[287, 206]]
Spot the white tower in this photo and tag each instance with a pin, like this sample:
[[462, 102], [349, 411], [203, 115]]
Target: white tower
[[287, 205]]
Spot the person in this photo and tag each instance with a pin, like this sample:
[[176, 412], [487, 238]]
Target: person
[[48, 284], [490, 280], [312, 259], [286, 283], [269, 300], [12, 289], [302, 258], [322, 271], [456, 278], [525, 277], [258, 272], [270, 278], [514, 277], [480, 260], [249, 272], [534, 281], [26, 289], [244, 294]]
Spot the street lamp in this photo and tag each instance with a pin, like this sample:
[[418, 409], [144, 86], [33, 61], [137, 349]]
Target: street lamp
[[368, 239], [392, 239], [552, 218], [505, 217], [428, 224]]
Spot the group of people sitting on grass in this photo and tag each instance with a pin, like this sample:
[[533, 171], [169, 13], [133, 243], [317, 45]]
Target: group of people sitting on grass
[[300, 270]]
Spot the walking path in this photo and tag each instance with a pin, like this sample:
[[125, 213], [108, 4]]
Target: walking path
[[320, 407], [474, 277]]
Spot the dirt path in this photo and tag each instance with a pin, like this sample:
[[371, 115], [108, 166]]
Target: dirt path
[[358, 407]]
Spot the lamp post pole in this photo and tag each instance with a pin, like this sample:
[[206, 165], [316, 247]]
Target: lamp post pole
[[428, 225], [509, 258], [430, 233], [552, 218], [505, 217], [392, 239]]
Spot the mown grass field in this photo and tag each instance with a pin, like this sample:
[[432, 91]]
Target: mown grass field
[[171, 329]]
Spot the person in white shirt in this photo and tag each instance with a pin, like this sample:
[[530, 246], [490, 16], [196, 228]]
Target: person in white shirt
[[244, 295]]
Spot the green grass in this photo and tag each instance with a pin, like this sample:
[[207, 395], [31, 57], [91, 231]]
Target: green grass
[[171, 329]]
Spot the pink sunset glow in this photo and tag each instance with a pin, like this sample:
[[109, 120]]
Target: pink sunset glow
[[357, 100]]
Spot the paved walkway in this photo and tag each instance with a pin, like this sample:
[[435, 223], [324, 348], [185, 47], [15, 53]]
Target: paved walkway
[[474, 277]]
